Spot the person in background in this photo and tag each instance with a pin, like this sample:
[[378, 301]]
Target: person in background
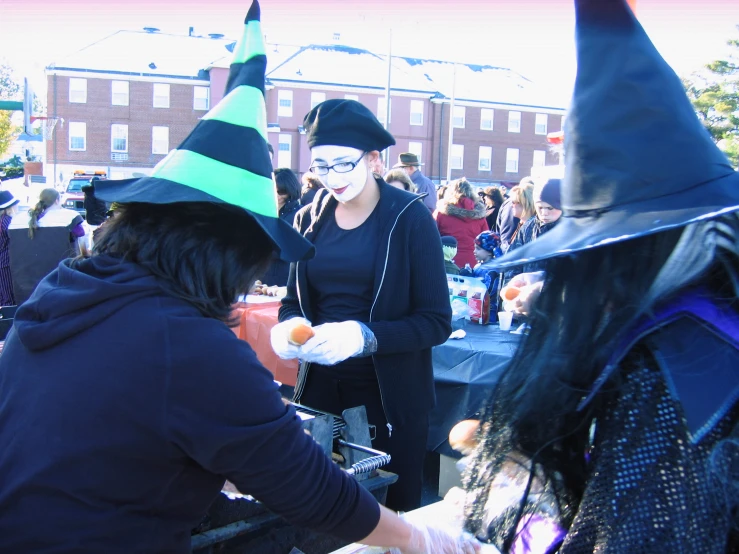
[[441, 191], [615, 428], [376, 294], [409, 163], [288, 204], [507, 223], [399, 179], [48, 212], [522, 208], [95, 209], [8, 208], [449, 244], [378, 166], [462, 216], [271, 152], [311, 185], [548, 208], [493, 199], [487, 249], [126, 399]]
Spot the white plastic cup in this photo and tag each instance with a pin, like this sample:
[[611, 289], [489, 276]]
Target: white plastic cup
[[505, 319]]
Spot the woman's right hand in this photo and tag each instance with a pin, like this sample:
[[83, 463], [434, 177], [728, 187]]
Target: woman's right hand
[[522, 291], [279, 338]]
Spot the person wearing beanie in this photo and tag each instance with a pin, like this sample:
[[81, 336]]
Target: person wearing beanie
[[127, 400], [487, 249], [449, 244], [376, 294], [614, 429]]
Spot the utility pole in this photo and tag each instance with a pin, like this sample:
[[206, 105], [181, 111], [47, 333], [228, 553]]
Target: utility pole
[[451, 127], [387, 94]]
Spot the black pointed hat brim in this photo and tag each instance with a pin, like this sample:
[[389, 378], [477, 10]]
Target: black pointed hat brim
[[291, 246], [629, 221]]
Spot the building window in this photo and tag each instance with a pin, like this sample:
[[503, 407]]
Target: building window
[[486, 158], [486, 119], [511, 160], [284, 103], [316, 98], [514, 122], [119, 93], [382, 109], [416, 148], [457, 156], [540, 158], [284, 151], [118, 138], [416, 112], [459, 112], [351, 97], [541, 124], [77, 135], [161, 95], [160, 140], [78, 91], [201, 98]]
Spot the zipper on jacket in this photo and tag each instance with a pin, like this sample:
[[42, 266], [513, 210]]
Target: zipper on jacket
[[372, 309]]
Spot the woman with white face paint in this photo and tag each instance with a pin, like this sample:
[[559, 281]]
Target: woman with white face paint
[[376, 294]]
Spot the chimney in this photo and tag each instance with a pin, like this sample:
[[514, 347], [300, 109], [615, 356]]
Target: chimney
[[151, 29], [215, 35], [191, 31]]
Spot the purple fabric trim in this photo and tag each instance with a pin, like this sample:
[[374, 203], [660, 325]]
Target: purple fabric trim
[[78, 231], [697, 303], [538, 535]]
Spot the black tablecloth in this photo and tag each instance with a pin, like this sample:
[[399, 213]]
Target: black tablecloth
[[465, 372]]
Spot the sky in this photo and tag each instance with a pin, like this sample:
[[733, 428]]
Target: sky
[[532, 37]]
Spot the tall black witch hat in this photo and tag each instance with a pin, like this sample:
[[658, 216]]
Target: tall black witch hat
[[225, 159], [638, 160]]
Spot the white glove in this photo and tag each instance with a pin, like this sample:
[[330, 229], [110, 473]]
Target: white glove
[[435, 540], [333, 343], [278, 337]]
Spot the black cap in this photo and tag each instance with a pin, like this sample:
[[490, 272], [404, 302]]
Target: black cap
[[449, 241], [346, 123]]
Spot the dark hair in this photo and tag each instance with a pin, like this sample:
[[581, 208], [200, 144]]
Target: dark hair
[[494, 194], [46, 200], [400, 176], [205, 254], [287, 183], [589, 299], [270, 149], [311, 182]]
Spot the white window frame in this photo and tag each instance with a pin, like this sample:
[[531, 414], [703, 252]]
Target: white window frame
[[487, 114], [285, 156], [78, 129], [117, 130], [77, 91], [160, 96], [316, 98], [514, 122], [160, 145], [381, 105], [354, 97], [511, 160], [458, 117], [119, 97], [457, 157], [200, 98], [540, 158], [284, 103], [416, 148], [540, 127], [485, 154], [417, 109]]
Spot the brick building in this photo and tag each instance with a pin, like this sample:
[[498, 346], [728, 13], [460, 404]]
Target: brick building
[[124, 113]]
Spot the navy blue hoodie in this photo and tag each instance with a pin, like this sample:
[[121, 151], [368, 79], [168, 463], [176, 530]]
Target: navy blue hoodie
[[122, 412]]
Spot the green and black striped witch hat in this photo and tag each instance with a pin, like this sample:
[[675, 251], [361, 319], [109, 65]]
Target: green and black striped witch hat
[[225, 159]]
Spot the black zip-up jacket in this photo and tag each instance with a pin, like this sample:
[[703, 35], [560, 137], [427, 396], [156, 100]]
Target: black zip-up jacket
[[410, 310]]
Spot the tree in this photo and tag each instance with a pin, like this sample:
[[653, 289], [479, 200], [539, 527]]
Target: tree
[[714, 93], [10, 89]]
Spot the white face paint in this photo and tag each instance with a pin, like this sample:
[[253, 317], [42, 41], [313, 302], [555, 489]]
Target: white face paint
[[343, 186]]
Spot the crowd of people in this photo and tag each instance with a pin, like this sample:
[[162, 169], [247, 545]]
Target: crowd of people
[[615, 428]]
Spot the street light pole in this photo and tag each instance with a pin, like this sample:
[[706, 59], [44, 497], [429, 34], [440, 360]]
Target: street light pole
[[387, 93], [451, 127]]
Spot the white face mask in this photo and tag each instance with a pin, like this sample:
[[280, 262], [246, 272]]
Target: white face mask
[[343, 186]]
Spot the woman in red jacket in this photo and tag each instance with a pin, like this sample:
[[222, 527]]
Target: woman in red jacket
[[462, 216]]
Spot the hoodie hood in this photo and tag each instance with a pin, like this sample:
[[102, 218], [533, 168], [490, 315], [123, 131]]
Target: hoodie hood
[[77, 295], [464, 209]]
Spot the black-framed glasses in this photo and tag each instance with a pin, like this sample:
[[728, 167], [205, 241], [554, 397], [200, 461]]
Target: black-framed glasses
[[341, 167]]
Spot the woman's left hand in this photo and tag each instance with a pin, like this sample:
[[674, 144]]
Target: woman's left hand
[[333, 343]]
